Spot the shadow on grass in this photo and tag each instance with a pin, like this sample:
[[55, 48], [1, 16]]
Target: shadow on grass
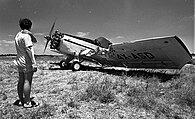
[[131, 72]]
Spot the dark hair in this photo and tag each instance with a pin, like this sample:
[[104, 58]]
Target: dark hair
[[25, 24]]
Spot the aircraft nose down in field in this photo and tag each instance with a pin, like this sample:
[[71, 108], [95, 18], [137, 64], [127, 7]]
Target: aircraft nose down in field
[[156, 53]]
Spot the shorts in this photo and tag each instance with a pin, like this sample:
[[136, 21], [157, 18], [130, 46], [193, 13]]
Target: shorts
[[25, 69]]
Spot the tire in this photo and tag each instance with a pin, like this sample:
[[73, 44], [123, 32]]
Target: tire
[[76, 66], [63, 64]]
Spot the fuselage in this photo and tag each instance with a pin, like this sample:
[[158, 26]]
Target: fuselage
[[159, 53]]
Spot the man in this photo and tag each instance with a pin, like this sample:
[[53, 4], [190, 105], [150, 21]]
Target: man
[[25, 62]]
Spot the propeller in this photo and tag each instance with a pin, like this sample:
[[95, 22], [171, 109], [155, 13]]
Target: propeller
[[49, 37]]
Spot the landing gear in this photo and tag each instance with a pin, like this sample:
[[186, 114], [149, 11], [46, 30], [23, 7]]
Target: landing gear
[[66, 62], [63, 64], [75, 66], [71, 62]]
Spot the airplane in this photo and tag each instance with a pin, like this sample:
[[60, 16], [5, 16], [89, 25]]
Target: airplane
[[167, 52]]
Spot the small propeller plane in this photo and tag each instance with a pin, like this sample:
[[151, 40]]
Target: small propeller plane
[[155, 53]]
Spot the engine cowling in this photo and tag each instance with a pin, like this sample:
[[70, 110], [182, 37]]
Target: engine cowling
[[55, 41]]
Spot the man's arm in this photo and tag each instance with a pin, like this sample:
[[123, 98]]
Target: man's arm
[[29, 47], [30, 52]]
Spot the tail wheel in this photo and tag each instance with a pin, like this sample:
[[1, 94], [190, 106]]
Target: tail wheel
[[63, 64], [76, 66]]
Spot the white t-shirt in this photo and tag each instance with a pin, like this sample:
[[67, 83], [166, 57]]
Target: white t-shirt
[[22, 41]]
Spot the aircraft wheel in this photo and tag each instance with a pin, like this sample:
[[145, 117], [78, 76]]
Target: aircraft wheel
[[63, 64], [76, 66]]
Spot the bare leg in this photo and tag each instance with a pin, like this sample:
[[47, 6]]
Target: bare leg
[[20, 86], [27, 86]]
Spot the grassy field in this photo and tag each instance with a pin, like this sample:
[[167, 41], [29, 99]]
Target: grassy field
[[95, 93]]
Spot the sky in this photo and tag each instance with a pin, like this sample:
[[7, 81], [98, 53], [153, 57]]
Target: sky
[[116, 20]]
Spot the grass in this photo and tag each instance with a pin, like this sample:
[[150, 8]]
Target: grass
[[108, 93], [43, 111], [101, 91]]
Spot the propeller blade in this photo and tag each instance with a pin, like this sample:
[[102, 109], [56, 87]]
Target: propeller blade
[[48, 39], [50, 35]]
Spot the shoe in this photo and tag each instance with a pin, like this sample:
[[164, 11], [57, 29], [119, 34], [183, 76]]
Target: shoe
[[30, 104], [18, 103], [34, 104], [27, 105]]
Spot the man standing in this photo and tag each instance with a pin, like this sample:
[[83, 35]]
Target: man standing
[[25, 62]]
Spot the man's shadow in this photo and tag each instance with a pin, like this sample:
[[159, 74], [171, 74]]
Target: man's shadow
[[163, 76]]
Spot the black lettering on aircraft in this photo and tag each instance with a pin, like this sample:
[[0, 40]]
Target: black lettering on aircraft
[[134, 56], [143, 55], [124, 56], [149, 55], [129, 57], [119, 56]]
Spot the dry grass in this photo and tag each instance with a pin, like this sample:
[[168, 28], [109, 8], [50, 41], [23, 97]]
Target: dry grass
[[97, 93]]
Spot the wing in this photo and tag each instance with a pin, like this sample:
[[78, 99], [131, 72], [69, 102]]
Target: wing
[[166, 53]]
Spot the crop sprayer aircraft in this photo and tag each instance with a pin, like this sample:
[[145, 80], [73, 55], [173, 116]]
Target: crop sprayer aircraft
[[155, 53]]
